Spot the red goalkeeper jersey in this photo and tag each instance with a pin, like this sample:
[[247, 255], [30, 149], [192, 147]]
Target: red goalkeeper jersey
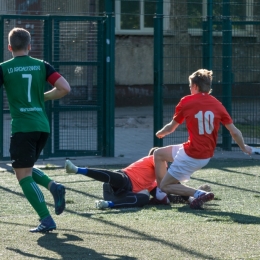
[[203, 114], [142, 174]]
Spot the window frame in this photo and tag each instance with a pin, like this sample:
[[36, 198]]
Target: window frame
[[143, 30], [248, 31]]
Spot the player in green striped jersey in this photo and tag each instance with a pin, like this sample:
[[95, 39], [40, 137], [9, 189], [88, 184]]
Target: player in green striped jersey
[[24, 80]]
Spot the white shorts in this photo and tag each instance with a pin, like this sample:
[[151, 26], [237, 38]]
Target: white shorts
[[184, 166]]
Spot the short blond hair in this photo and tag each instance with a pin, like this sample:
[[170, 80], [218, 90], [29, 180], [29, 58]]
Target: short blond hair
[[203, 79]]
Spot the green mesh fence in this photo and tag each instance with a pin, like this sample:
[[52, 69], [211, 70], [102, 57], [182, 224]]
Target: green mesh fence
[[75, 47], [222, 35], [36, 28], [77, 53], [218, 35]]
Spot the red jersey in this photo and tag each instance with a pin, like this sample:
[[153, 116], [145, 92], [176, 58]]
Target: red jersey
[[203, 114], [142, 174]]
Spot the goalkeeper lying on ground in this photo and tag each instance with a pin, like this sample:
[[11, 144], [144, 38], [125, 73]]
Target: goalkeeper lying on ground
[[128, 187]]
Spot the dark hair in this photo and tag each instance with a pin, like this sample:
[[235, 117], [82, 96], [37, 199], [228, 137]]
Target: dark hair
[[203, 79], [152, 150], [19, 39]]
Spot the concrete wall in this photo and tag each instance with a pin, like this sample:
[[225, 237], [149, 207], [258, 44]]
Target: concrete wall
[[134, 54], [134, 60]]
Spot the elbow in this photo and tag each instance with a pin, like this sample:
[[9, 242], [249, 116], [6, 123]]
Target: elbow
[[238, 138], [159, 154], [236, 134], [62, 92], [66, 90]]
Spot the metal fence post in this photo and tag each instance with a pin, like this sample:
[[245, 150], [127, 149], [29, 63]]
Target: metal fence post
[[1, 90], [158, 71], [47, 57], [109, 101], [227, 69], [55, 103], [208, 37]]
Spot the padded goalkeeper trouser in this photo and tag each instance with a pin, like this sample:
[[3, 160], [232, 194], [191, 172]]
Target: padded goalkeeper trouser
[[124, 199], [118, 180]]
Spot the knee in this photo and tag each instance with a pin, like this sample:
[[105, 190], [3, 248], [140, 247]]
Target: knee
[[164, 188], [157, 155]]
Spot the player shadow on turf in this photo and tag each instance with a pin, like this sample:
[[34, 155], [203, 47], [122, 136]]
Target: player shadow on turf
[[64, 247], [227, 185], [143, 236], [116, 211], [213, 215], [223, 163], [61, 246], [85, 193]]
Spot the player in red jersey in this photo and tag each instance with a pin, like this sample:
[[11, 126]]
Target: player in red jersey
[[203, 114]]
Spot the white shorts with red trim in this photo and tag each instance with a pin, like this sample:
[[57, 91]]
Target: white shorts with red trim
[[184, 166]]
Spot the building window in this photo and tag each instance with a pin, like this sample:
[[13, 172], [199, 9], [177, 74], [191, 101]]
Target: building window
[[137, 16], [134, 16], [240, 10]]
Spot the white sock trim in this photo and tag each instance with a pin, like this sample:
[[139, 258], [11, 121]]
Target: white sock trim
[[198, 193]]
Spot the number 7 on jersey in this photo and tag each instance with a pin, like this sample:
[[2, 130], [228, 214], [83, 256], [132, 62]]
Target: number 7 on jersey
[[29, 77]]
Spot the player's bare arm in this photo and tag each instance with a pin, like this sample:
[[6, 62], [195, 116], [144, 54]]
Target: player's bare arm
[[167, 129], [237, 136], [61, 88]]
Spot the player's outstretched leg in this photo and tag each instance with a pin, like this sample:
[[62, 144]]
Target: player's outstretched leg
[[130, 199], [70, 167], [58, 192], [102, 204], [47, 224]]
